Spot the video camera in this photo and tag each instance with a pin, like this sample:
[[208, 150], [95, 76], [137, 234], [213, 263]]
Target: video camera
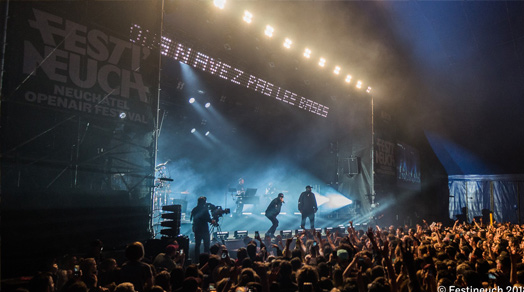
[[217, 211]]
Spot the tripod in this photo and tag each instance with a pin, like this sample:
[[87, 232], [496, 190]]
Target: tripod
[[219, 235]]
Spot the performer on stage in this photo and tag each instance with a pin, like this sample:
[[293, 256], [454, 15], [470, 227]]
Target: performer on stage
[[241, 191], [307, 205], [201, 218], [272, 212]]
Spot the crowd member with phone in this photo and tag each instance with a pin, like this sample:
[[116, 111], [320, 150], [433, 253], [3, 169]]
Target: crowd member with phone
[[168, 260]]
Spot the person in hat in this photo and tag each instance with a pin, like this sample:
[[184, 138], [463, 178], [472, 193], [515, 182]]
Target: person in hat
[[307, 206], [272, 211]]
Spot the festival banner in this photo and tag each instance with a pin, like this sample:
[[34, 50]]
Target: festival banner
[[79, 96], [77, 56]]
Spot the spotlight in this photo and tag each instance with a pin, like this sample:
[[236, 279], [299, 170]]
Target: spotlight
[[207, 133], [208, 105], [298, 231], [359, 84], [221, 234], [240, 234], [247, 16], [122, 115], [269, 30], [193, 130], [369, 89], [286, 233], [287, 43], [337, 70], [307, 53], [348, 78], [322, 62], [192, 100], [220, 3]]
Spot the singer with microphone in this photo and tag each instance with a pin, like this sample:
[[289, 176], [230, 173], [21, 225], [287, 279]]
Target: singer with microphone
[[272, 212]]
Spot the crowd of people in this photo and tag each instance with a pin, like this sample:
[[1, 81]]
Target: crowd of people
[[428, 257]]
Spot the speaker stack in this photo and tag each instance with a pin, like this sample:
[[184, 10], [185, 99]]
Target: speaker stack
[[171, 216]]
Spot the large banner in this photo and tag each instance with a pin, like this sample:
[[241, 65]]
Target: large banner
[[79, 95], [77, 56], [408, 167]]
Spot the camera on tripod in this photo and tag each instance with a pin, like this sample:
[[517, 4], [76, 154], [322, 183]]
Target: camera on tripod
[[217, 211]]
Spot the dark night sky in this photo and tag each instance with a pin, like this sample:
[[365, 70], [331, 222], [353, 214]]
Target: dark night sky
[[469, 57]]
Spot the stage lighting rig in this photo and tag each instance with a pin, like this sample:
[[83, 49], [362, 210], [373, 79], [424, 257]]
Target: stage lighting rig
[[286, 233], [219, 3], [221, 235], [287, 43], [269, 31], [239, 234], [248, 17], [307, 53]]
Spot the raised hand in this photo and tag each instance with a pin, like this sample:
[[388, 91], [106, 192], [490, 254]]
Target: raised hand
[[369, 233]]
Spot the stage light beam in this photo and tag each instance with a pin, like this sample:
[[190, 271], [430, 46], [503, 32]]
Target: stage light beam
[[192, 100], [193, 130], [321, 200], [208, 104], [337, 201]]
